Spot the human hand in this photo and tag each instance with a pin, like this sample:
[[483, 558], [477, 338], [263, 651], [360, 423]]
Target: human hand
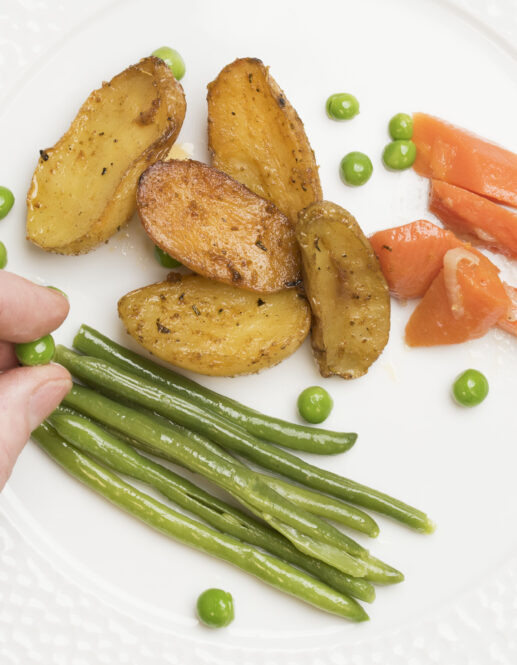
[[27, 394]]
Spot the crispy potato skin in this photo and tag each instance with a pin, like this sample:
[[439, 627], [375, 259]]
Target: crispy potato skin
[[256, 136], [83, 189], [217, 227], [346, 289], [212, 328]]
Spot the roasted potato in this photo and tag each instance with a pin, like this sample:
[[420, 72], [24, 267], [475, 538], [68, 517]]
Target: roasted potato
[[212, 328], [217, 227], [83, 189], [256, 136], [346, 289]]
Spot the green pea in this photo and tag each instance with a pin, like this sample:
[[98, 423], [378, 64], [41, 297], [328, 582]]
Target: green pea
[[401, 126], [55, 288], [215, 608], [470, 388], [38, 352], [356, 168], [6, 201], [172, 59], [315, 404], [3, 256], [342, 106], [399, 155], [164, 259]]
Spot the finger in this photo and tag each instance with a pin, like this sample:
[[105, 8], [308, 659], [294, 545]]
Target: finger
[[28, 311], [27, 396], [8, 357]]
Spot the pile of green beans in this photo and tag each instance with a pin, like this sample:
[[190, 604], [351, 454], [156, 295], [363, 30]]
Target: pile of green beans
[[330, 546], [157, 435], [269, 569], [121, 457], [130, 403], [113, 380]]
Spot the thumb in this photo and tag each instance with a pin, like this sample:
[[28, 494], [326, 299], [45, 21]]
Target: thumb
[[27, 396]]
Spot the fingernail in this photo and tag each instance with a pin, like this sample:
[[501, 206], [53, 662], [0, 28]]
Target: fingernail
[[45, 399]]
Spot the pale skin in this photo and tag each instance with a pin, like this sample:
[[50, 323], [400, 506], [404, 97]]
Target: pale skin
[[27, 394]]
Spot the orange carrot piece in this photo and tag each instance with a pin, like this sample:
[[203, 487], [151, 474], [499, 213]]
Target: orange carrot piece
[[490, 224], [449, 153], [509, 321], [439, 319], [412, 255]]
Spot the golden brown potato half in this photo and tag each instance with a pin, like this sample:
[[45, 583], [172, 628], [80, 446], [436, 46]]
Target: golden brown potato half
[[346, 289], [256, 136], [212, 328], [83, 189], [217, 227]]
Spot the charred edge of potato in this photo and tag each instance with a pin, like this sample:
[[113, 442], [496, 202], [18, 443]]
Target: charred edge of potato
[[212, 328], [171, 93], [300, 178], [218, 227], [346, 289]]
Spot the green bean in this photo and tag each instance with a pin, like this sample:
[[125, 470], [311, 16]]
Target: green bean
[[324, 506], [310, 545], [379, 572], [269, 569], [111, 450], [109, 378], [290, 435], [239, 481]]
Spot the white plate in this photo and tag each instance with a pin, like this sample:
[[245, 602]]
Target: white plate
[[82, 583]]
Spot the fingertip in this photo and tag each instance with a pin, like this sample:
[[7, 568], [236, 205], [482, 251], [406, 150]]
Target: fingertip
[[56, 371], [60, 306], [27, 396], [29, 311], [55, 384]]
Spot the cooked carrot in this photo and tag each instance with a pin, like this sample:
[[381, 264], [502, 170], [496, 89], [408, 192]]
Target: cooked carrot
[[509, 321], [490, 224], [465, 300], [412, 255], [446, 152]]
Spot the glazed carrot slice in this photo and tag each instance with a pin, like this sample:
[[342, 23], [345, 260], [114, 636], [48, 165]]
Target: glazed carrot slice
[[490, 224], [446, 152], [412, 255], [465, 300]]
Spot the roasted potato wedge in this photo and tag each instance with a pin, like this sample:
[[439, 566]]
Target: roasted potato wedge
[[83, 189], [212, 328], [217, 227], [256, 136], [346, 289]]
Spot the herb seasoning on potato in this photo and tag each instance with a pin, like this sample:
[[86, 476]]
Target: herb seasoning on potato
[[256, 136], [83, 189], [215, 329], [346, 289], [217, 227]]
